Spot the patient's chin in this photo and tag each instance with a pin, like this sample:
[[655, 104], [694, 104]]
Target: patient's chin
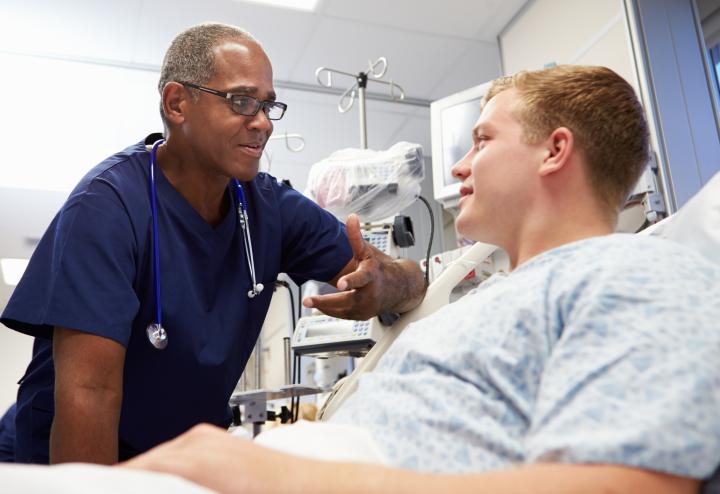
[[466, 231], [469, 234]]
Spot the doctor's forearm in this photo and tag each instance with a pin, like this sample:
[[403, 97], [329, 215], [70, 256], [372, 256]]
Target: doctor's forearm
[[88, 397], [85, 427], [405, 285]]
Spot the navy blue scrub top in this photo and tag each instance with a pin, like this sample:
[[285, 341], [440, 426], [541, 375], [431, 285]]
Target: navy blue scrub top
[[7, 435], [92, 272]]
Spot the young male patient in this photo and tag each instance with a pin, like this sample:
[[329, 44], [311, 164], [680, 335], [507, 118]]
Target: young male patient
[[591, 367]]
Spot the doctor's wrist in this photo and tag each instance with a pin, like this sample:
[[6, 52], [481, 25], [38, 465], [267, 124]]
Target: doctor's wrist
[[404, 286]]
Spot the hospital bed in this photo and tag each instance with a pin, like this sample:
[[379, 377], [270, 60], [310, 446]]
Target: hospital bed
[[696, 225]]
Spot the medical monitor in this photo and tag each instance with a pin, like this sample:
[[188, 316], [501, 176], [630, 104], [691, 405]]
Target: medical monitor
[[452, 120]]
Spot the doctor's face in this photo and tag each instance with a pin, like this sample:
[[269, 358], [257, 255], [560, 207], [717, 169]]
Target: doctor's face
[[224, 141], [497, 173]]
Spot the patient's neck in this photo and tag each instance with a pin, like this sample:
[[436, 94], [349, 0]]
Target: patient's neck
[[547, 229]]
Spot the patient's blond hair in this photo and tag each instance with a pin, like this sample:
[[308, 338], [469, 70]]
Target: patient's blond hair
[[603, 113]]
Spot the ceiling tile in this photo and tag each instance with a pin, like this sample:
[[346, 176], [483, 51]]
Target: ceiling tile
[[283, 33], [474, 19]]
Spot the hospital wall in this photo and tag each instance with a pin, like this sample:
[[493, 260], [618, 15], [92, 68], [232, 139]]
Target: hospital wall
[[568, 32], [25, 213]]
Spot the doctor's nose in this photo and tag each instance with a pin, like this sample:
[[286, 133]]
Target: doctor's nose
[[260, 121]]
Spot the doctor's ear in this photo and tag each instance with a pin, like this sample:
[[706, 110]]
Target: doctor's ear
[[174, 98], [559, 146]]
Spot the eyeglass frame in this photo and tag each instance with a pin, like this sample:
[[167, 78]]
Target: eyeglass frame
[[231, 96]]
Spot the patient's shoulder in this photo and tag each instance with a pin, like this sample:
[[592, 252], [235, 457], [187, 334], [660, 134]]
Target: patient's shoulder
[[632, 270], [622, 254]]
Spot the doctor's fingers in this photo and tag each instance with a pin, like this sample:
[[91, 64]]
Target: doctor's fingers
[[353, 304], [355, 238], [357, 279]]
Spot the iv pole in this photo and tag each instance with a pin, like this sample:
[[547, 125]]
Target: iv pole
[[376, 70]]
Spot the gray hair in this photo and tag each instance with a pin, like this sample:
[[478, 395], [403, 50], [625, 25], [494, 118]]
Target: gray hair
[[190, 55]]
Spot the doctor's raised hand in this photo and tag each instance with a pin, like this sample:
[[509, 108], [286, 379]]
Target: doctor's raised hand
[[372, 282]]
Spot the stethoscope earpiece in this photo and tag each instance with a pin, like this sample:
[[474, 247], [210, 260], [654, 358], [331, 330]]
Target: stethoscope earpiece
[[156, 334]]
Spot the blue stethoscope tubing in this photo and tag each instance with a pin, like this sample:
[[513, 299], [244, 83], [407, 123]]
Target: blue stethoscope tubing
[[156, 333], [156, 245]]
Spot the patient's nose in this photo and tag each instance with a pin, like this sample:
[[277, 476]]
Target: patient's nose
[[461, 169]]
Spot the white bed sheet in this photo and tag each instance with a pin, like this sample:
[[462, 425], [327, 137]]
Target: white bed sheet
[[81, 478]]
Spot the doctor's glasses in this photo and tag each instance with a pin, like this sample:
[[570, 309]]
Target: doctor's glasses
[[246, 105]]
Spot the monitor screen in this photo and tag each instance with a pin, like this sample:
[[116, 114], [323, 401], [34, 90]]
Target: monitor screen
[[457, 123]]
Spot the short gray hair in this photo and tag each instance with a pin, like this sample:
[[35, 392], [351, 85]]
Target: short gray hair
[[190, 55]]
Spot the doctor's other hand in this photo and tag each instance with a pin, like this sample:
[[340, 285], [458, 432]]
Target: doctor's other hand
[[371, 283]]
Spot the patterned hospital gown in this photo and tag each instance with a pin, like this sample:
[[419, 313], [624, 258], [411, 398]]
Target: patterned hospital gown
[[605, 350]]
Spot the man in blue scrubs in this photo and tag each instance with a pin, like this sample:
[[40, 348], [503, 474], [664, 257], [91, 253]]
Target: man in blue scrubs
[[96, 389]]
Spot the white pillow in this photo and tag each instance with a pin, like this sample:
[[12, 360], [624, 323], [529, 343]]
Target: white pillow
[[697, 223]]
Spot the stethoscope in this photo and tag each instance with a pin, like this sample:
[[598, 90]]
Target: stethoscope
[[156, 333]]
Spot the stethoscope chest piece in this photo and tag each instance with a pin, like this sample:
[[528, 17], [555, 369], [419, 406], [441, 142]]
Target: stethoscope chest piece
[[157, 336]]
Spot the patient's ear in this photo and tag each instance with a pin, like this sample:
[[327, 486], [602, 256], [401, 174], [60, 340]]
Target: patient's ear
[[559, 147]]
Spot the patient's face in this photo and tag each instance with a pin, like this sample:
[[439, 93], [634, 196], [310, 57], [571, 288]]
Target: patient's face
[[498, 174]]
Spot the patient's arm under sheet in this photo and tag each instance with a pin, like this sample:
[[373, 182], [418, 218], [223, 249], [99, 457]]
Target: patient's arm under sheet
[[324, 441], [82, 478]]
